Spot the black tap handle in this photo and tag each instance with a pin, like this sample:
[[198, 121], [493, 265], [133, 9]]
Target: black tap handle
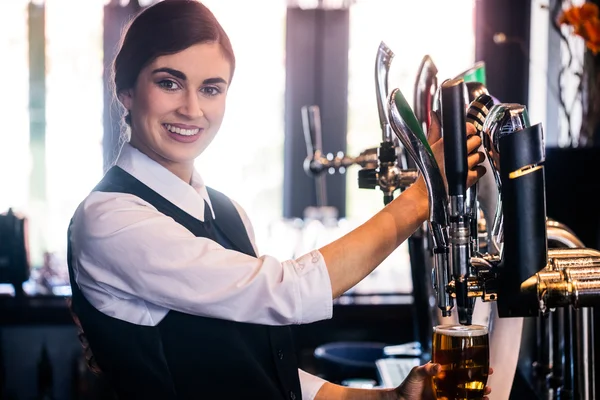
[[311, 124], [455, 135]]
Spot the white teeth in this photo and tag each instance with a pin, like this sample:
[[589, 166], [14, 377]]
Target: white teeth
[[179, 131]]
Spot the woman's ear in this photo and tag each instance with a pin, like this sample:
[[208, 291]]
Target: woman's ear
[[126, 98]]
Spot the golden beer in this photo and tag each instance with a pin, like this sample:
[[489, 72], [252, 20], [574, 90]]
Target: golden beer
[[463, 353]]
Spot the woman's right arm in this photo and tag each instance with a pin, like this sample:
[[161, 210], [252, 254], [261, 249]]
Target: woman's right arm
[[358, 253], [125, 251]]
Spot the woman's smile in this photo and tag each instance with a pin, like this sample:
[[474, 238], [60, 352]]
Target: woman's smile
[[183, 133]]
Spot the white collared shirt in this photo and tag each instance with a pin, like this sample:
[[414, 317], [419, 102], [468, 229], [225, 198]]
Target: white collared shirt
[[135, 263]]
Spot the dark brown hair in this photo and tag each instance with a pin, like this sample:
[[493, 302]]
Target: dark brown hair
[[167, 27]]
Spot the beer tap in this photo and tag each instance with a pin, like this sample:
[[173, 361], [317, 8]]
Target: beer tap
[[316, 162], [383, 167], [408, 129], [455, 160], [525, 278], [524, 275], [392, 172]]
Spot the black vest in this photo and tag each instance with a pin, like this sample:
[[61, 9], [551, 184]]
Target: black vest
[[187, 356]]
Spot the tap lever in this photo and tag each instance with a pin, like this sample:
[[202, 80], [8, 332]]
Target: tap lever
[[408, 130], [311, 124], [455, 137], [383, 62]]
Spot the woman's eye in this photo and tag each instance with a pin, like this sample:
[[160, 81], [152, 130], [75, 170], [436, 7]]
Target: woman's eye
[[168, 84], [210, 90]]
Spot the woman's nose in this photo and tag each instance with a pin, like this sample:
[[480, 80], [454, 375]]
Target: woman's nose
[[192, 106]]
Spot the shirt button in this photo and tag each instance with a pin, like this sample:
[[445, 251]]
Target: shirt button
[[292, 395], [315, 259], [280, 354]]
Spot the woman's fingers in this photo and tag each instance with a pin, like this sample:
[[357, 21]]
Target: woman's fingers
[[473, 143], [475, 159], [435, 129], [475, 174], [471, 130], [488, 389]]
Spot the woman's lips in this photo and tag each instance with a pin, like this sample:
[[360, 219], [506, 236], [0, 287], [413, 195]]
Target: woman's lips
[[183, 135]]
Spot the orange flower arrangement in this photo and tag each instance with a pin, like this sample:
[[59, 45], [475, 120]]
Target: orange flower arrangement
[[585, 21]]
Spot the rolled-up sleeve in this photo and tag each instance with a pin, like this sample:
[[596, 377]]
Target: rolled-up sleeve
[[310, 384], [125, 249]]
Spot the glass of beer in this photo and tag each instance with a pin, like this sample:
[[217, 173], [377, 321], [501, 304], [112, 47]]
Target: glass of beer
[[463, 354]]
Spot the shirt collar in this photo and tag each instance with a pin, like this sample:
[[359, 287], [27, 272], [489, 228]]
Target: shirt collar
[[189, 197]]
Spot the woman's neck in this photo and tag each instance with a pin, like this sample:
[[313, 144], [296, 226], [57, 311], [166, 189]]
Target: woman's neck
[[183, 171]]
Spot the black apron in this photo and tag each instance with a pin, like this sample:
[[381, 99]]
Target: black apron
[[187, 356]]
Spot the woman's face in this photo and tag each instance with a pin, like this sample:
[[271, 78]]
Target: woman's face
[[178, 104]]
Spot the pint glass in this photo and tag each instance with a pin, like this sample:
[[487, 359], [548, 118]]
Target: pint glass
[[463, 353]]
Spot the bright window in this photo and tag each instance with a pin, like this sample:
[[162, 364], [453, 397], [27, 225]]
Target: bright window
[[245, 161], [14, 139], [440, 28], [73, 131], [74, 109]]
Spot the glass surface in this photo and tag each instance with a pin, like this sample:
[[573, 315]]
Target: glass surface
[[463, 353]]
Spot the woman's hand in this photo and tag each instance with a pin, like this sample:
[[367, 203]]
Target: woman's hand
[[418, 384], [475, 158]]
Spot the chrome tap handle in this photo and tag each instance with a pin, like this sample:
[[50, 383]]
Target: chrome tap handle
[[503, 119], [383, 61], [408, 130], [311, 123], [406, 127]]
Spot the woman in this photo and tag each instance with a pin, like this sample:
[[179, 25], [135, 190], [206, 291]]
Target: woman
[[166, 280]]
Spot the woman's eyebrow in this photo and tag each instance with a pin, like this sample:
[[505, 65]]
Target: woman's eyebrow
[[174, 72], [181, 75]]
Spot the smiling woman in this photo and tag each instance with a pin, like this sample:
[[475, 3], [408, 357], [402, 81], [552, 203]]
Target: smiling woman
[[178, 103]]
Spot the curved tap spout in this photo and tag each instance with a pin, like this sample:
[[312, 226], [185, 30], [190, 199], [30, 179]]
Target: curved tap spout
[[502, 120], [383, 61], [406, 127], [408, 130], [425, 87]]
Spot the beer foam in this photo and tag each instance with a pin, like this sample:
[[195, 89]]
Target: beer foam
[[461, 330]]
